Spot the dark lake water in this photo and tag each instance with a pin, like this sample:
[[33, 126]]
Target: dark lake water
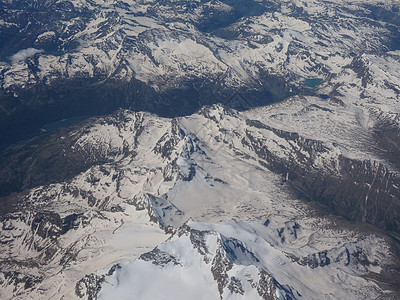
[[313, 82], [64, 123]]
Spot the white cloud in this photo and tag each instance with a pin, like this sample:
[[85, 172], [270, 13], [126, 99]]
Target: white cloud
[[24, 54]]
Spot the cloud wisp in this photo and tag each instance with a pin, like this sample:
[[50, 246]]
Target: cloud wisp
[[24, 54]]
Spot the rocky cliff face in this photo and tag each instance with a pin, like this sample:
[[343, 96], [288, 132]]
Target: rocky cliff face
[[365, 191]]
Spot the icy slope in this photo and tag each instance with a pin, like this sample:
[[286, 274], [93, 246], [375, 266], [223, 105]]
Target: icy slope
[[196, 262]]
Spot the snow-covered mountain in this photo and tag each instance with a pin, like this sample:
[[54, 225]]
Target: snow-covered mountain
[[62, 59], [217, 165], [298, 199]]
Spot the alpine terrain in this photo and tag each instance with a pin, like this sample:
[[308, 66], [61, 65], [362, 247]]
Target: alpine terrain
[[177, 149]]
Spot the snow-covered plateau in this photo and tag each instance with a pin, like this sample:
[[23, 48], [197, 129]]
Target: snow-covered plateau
[[196, 188]]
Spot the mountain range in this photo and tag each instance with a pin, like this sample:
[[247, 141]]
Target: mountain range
[[200, 149]]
